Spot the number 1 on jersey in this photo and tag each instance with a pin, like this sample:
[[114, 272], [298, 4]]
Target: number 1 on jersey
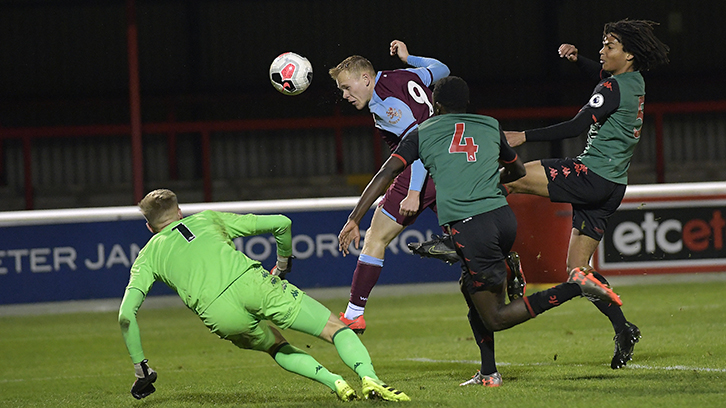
[[185, 232], [469, 147]]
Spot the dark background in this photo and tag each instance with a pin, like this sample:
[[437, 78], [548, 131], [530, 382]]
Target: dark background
[[66, 62]]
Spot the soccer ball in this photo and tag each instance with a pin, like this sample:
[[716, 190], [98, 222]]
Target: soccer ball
[[291, 73]]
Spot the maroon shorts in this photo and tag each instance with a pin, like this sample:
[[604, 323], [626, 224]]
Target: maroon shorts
[[391, 202]]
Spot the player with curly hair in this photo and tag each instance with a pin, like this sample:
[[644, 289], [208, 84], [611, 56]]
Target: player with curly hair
[[594, 182], [464, 153]]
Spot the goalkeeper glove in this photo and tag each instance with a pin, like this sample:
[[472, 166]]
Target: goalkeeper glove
[[145, 377], [282, 267]]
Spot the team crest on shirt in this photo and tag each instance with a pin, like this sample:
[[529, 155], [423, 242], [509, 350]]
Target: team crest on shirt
[[394, 115], [596, 100]]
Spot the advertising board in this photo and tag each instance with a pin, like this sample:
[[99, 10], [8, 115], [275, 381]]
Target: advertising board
[[54, 255]]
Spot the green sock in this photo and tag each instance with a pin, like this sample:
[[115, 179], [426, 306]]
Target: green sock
[[353, 353], [299, 362]]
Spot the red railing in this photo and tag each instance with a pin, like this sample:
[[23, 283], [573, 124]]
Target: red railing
[[135, 128], [336, 122], [656, 110], [171, 129]]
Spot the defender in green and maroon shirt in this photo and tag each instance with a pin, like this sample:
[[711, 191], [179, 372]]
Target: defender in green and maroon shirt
[[233, 294], [463, 154], [594, 182]]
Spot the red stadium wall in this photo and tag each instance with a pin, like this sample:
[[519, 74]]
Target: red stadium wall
[[543, 233], [662, 228]]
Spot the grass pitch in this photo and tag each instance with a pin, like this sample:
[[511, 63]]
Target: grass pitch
[[421, 344]]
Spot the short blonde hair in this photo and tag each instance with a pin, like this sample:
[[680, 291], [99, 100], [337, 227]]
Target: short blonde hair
[[158, 207], [355, 64]]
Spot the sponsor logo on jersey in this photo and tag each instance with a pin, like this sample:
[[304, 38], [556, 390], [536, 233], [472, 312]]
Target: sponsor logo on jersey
[[596, 100], [394, 115]]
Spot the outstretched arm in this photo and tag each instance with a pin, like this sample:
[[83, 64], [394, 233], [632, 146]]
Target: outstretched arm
[[133, 298], [604, 101], [568, 51], [589, 67], [564, 130], [437, 69], [399, 49], [243, 225], [281, 228], [143, 386], [351, 230]]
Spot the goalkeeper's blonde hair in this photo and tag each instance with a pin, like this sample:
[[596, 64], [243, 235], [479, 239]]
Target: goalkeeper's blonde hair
[[159, 207]]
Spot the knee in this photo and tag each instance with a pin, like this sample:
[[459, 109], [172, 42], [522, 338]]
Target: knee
[[278, 343], [495, 322], [333, 326], [372, 240], [512, 188], [497, 319], [275, 348]]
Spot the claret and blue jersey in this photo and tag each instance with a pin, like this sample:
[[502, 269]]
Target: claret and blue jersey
[[402, 99]]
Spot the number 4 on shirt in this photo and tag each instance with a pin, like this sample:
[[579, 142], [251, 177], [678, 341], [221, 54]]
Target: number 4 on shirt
[[468, 147]]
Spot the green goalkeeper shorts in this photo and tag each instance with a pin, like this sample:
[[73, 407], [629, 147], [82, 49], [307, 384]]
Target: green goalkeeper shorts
[[238, 314]]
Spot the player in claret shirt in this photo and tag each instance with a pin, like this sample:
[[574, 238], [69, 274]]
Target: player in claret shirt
[[463, 153], [594, 182], [233, 294], [399, 101]]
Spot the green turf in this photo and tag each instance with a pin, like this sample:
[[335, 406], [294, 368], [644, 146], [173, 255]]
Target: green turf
[[420, 344]]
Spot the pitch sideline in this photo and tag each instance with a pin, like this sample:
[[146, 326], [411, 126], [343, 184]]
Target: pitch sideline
[[629, 366], [161, 302]]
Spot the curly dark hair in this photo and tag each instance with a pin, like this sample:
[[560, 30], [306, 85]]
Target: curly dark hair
[[638, 39]]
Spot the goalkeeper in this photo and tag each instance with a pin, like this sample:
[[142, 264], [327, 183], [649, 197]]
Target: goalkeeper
[[233, 294]]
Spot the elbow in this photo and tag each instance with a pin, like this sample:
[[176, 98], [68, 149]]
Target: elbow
[[515, 176], [390, 174], [123, 320], [445, 71], [286, 223], [126, 316], [512, 172], [520, 172]]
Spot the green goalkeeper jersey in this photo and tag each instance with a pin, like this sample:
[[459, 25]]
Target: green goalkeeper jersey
[[197, 258]]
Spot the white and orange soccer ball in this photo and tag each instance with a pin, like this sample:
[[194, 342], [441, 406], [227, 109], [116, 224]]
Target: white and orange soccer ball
[[291, 74]]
